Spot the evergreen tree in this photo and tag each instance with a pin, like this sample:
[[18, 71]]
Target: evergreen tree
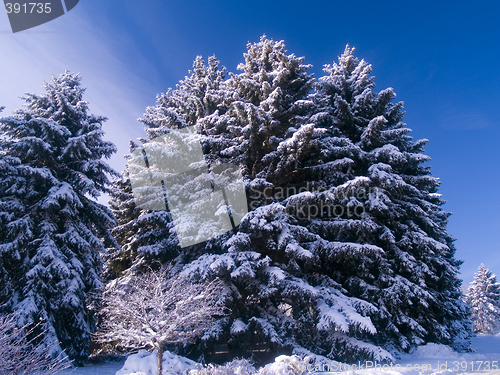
[[268, 101], [51, 226], [483, 297], [147, 236], [124, 209], [344, 252], [379, 193], [277, 303], [143, 237], [200, 100]]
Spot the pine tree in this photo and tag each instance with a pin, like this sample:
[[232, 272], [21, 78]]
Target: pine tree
[[344, 252], [375, 191], [350, 208], [143, 237], [200, 100], [268, 101], [147, 236], [483, 297], [388, 199], [277, 303], [51, 227]]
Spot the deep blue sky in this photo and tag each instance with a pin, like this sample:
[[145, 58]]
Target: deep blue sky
[[442, 59]]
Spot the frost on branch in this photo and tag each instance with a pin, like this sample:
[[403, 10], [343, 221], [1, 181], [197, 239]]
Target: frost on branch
[[151, 310], [19, 354]]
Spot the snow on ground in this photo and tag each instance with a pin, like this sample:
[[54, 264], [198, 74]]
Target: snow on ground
[[100, 369], [431, 359], [146, 363]]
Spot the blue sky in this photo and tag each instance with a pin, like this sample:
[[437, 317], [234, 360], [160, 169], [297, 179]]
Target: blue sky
[[442, 59]]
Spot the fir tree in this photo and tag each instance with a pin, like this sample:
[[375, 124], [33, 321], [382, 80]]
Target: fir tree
[[143, 237], [483, 297], [268, 101], [371, 188], [279, 303], [367, 230], [344, 252], [200, 100], [379, 193], [51, 226], [147, 236]]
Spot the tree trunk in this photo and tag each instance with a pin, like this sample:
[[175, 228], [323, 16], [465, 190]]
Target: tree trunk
[[160, 358]]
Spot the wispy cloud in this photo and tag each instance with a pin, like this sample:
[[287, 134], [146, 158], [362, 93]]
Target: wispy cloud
[[456, 118], [73, 41]]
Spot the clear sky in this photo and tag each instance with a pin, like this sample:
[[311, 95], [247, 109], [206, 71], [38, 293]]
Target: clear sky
[[441, 57]]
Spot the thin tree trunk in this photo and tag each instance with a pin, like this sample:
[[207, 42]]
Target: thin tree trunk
[[160, 358]]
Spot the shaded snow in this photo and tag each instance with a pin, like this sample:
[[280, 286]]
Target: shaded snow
[[146, 363], [433, 359], [100, 369], [430, 359]]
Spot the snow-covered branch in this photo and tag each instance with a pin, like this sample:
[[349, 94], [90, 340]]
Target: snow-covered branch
[[150, 310], [21, 355]]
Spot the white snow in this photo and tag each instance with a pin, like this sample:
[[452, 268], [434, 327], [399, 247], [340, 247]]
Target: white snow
[[100, 369], [146, 363], [284, 365], [238, 326], [431, 359]]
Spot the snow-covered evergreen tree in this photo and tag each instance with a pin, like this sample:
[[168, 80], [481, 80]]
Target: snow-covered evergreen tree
[[379, 193], [147, 236], [344, 252], [200, 100], [278, 303], [373, 189], [268, 101], [483, 298], [51, 227], [144, 237]]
